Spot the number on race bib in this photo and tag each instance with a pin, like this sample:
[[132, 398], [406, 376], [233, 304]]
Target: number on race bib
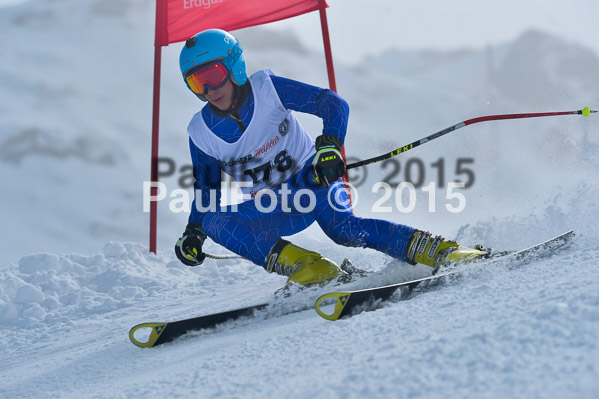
[[282, 161]]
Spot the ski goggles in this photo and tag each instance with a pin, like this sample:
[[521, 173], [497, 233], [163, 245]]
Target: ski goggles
[[212, 75]]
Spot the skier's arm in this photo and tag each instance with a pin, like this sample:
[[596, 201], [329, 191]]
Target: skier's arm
[[324, 103], [206, 171]]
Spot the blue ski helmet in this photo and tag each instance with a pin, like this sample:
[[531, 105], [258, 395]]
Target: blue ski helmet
[[213, 45]]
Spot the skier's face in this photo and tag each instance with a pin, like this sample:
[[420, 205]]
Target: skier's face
[[221, 98]]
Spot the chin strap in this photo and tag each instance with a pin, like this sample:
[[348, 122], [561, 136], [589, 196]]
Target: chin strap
[[240, 94]]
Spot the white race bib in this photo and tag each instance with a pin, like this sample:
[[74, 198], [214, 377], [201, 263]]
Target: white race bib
[[273, 147]]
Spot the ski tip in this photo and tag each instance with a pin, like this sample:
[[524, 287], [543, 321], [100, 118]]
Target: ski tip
[[586, 111], [337, 300], [154, 333]]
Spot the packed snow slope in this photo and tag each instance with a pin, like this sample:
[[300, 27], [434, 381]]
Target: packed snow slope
[[76, 274], [529, 332]]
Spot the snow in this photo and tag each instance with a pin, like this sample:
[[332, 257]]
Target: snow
[[526, 332], [76, 273]]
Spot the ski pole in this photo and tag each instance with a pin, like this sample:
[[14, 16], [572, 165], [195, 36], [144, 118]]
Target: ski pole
[[221, 257], [586, 112]]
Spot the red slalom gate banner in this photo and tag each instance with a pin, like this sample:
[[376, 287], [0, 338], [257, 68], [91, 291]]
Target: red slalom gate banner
[[178, 20]]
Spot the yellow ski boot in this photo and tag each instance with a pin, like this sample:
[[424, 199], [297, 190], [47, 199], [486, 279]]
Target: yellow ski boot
[[300, 265], [435, 251]]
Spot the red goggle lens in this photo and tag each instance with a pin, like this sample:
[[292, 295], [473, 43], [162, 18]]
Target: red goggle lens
[[214, 76]]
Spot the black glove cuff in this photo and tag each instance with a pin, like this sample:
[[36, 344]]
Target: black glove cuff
[[327, 140]]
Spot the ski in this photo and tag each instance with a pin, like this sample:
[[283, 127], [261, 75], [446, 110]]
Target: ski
[[350, 303], [166, 332], [347, 302]]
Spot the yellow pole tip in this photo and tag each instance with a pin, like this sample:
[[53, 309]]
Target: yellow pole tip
[[586, 111]]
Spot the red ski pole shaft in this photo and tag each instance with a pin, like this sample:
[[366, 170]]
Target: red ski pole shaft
[[586, 112]]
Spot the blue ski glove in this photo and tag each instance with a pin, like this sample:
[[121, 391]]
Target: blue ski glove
[[328, 165], [189, 247]]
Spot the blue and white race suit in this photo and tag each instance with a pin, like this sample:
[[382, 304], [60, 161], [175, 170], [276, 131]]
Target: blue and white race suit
[[273, 149]]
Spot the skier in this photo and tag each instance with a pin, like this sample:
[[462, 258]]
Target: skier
[[248, 130]]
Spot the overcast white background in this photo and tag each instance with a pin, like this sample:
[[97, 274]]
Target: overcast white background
[[362, 27], [380, 24]]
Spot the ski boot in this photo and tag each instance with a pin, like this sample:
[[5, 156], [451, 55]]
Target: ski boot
[[435, 252], [303, 267]]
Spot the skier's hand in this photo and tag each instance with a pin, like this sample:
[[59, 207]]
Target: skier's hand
[[189, 247], [328, 165]]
